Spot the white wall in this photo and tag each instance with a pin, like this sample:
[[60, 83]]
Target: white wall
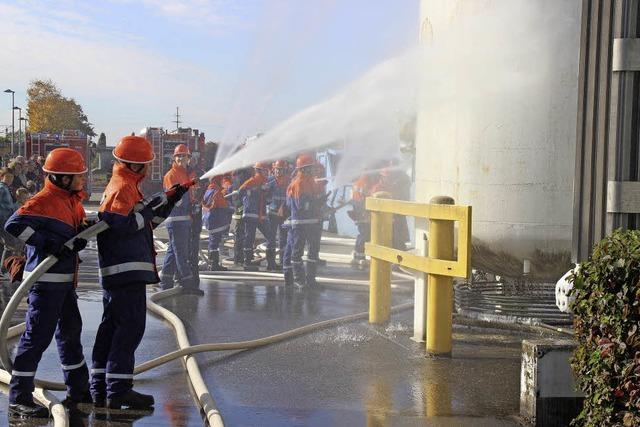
[[497, 116]]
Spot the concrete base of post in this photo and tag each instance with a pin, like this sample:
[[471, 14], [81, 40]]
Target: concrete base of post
[[547, 389]]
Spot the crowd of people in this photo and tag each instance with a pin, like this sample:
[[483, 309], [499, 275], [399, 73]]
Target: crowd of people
[[20, 179], [285, 200]]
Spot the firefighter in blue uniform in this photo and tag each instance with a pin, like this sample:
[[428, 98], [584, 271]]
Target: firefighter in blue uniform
[[238, 177], [176, 261], [44, 224], [254, 203], [216, 215], [127, 264], [303, 199], [277, 188]]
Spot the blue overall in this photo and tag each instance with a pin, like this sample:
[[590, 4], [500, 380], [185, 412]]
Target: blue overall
[[52, 216], [127, 264], [305, 227], [176, 261], [276, 205], [119, 334], [217, 219], [254, 215], [50, 313]]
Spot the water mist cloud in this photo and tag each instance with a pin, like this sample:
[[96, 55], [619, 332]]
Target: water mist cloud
[[364, 119]]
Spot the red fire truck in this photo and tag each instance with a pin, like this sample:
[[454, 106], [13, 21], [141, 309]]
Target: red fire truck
[[163, 143], [41, 143]]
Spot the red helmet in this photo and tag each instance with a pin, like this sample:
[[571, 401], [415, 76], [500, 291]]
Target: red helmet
[[133, 149], [65, 161], [181, 149], [280, 164], [304, 160], [262, 165]]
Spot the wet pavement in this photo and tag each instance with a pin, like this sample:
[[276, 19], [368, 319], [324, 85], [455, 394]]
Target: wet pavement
[[353, 374]]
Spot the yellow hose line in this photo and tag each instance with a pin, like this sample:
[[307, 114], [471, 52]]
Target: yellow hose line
[[47, 399], [205, 399]]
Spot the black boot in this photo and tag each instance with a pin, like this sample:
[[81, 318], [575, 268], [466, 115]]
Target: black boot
[[32, 410], [311, 268], [214, 262], [271, 260], [298, 276], [248, 261], [99, 401], [74, 399], [288, 277], [131, 399]]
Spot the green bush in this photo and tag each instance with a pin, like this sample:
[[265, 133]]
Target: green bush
[[607, 315]]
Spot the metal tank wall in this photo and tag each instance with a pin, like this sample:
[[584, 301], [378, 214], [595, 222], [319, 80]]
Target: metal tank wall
[[497, 123]]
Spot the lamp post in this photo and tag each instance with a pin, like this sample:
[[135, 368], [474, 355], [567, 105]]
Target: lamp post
[[13, 127], [23, 151], [19, 127]]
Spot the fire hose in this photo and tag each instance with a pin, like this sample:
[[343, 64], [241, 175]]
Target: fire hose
[[186, 350]]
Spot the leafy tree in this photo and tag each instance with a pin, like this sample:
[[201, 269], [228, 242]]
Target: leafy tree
[[49, 111]]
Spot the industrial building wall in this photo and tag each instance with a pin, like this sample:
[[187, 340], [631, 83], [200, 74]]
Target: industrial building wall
[[607, 154], [497, 121]]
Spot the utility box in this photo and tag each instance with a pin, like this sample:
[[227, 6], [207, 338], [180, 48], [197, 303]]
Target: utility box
[[548, 395]]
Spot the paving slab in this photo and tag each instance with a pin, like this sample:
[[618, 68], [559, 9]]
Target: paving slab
[[353, 374]]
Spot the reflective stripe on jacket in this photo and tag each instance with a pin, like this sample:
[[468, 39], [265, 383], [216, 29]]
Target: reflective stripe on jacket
[[182, 210], [125, 251], [53, 215]]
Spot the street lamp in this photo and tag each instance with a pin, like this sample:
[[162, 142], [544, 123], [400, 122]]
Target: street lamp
[[13, 127], [19, 127], [23, 151]]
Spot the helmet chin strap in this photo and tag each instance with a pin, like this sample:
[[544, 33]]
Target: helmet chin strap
[[57, 180], [131, 165]]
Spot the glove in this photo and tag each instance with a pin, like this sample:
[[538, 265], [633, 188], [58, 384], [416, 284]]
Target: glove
[[60, 250], [177, 192], [86, 223], [156, 201]]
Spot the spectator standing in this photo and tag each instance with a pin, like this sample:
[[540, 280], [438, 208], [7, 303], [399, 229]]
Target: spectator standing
[[16, 166], [7, 207]]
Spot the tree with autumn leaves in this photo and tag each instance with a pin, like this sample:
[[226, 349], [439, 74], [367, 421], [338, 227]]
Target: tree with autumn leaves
[[49, 111]]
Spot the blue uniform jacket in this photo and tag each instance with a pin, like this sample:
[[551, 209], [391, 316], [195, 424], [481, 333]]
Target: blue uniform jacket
[[303, 201], [181, 212], [277, 189], [125, 251], [254, 198], [52, 215]]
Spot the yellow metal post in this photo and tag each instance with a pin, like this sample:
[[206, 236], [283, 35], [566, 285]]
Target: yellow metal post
[[380, 271], [440, 288]]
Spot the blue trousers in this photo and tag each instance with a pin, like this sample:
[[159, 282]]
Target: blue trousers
[[279, 232], [218, 225], [364, 235], [288, 249], [50, 313], [300, 236], [176, 261], [119, 334], [250, 226]]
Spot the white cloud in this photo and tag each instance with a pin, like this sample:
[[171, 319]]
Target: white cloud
[[211, 16], [129, 81]]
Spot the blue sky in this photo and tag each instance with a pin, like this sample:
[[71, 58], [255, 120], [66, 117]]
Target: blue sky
[[233, 67]]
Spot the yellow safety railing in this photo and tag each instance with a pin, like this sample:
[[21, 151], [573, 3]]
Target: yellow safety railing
[[441, 264]]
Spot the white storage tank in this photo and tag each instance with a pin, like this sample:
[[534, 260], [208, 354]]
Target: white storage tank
[[497, 123]]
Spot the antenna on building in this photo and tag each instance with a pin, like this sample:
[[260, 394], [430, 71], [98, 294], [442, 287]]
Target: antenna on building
[[177, 120]]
